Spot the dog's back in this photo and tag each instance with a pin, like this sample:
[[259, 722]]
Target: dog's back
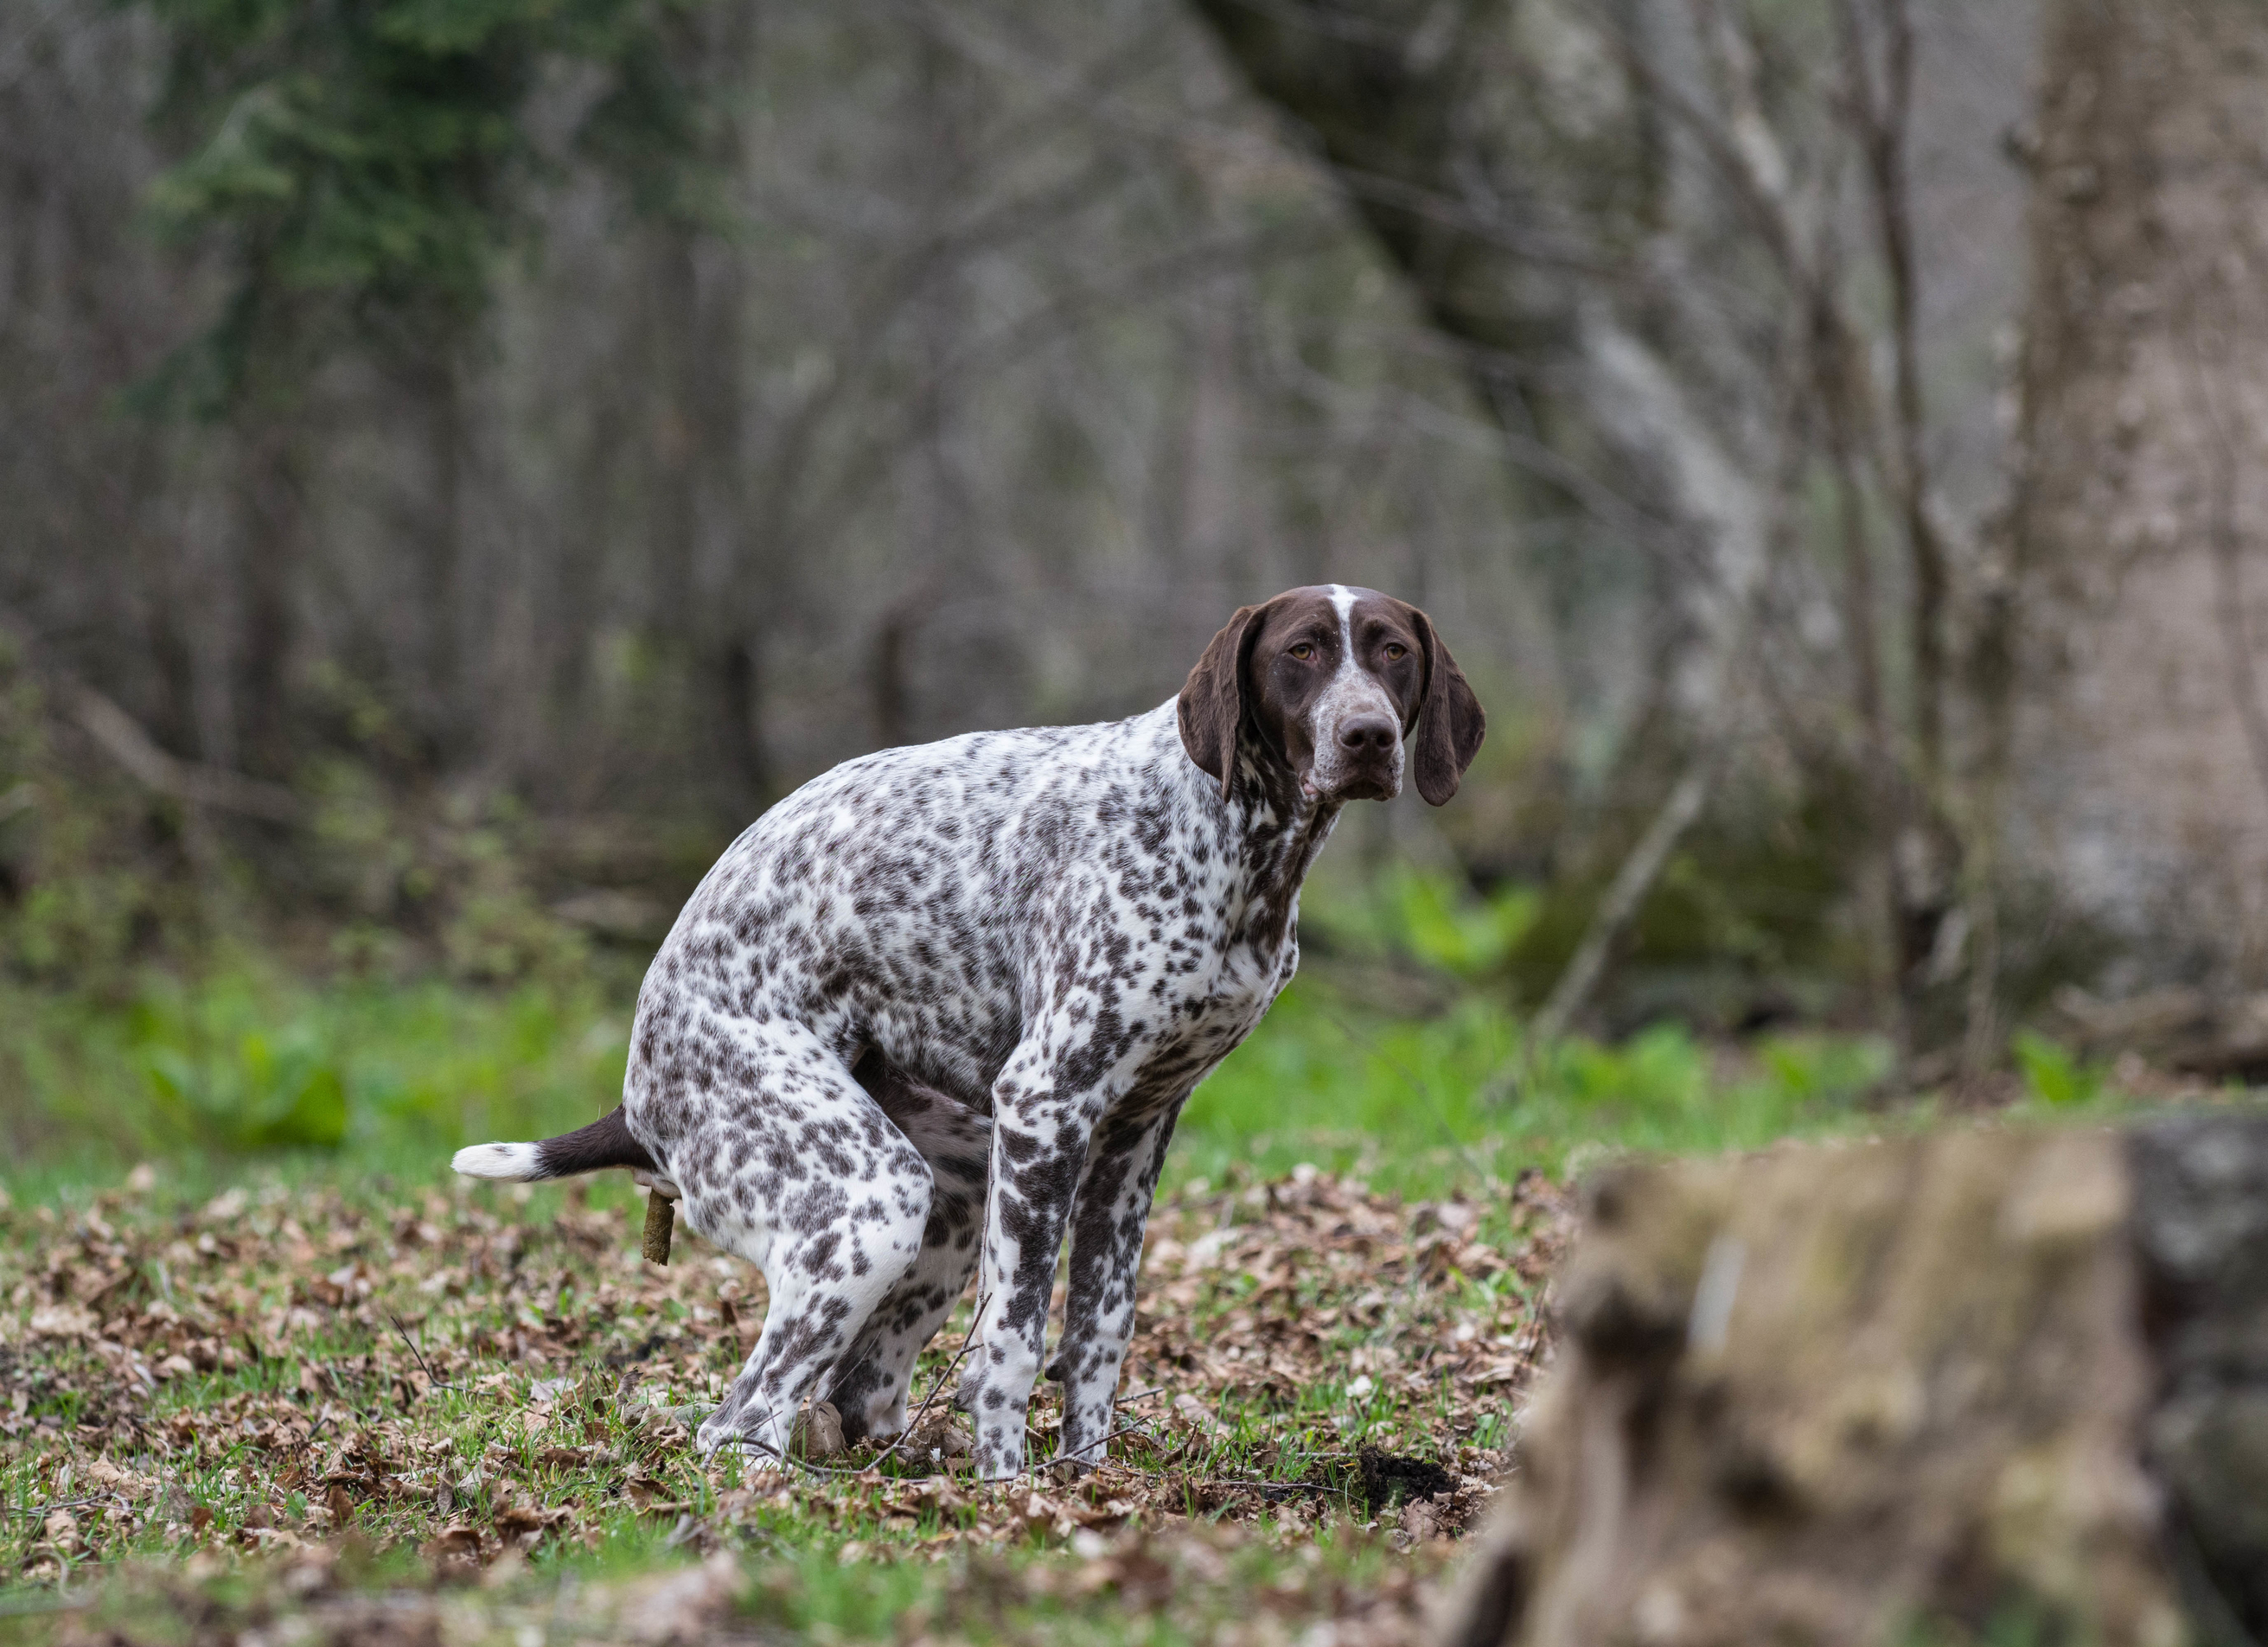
[[891, 901]]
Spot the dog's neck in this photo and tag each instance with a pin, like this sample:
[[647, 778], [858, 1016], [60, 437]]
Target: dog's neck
[[1278, 829]]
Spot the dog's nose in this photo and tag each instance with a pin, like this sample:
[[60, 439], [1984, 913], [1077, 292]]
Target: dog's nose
[[1367, 735]]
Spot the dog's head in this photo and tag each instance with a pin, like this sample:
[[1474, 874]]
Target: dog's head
[[1342, 688]]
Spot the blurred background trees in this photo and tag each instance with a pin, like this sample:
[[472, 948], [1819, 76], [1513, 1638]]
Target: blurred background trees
[[461, 460]]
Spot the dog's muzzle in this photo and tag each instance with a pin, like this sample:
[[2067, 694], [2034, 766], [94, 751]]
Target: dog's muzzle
[[1363, 761]]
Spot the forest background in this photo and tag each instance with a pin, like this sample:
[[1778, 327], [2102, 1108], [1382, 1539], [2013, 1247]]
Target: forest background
[[460, 461]]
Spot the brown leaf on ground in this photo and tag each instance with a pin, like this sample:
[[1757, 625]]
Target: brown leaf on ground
[[1281, 1328]]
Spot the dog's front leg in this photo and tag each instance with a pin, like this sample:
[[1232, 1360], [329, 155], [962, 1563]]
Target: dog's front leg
[[1042, 1125], [1107, 1218]]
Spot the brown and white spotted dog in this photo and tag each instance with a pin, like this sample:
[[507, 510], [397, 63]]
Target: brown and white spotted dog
[[964, 989]]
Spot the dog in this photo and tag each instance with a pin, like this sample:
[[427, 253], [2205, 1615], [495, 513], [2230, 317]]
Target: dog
[[940, 1009]]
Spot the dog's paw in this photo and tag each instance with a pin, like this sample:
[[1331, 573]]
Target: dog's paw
[[773, 1446], [998, 1458], [719, 1434]]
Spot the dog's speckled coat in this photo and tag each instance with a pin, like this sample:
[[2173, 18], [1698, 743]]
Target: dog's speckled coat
[[962, 990]]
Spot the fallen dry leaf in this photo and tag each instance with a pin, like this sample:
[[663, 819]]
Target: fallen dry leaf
[[1253, 1299]]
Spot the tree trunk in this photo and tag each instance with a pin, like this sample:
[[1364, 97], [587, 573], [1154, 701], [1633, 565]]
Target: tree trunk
[[1382, 86], [711, 569], [1401, 96], [270, 544], [439, 616], [2140, 740], [1984, 1385]]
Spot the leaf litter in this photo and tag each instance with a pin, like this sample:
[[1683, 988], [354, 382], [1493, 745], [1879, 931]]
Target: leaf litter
[[475, 1389]]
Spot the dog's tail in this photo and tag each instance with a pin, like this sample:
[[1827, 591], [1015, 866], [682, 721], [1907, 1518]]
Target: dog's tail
[[605, 1142]]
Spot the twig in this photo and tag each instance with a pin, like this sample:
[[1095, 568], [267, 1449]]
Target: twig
[[1625, 895], [2224, 535], [1034, 1468], [1885, 118], [430, 1381], [888, 1453], [53, 1504], [967, 1339], [879, 1458], [1254, 1483], [1639, 872]]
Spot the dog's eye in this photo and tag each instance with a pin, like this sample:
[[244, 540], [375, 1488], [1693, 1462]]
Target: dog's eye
[[1396, 651], [1304, 651]]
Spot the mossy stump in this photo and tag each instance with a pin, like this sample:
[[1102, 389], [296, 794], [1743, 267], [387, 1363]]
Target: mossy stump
[[1935, 1389]]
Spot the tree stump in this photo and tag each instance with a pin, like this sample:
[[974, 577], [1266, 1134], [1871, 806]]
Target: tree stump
[[1981, 1384]]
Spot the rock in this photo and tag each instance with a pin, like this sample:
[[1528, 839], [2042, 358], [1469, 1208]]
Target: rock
[[818, 1433], [1952, 1385]]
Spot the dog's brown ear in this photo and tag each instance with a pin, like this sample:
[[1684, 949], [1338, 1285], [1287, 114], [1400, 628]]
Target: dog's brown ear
[[1211, 706], [1450, 724]]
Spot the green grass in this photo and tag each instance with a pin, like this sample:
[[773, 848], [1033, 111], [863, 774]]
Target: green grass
[[368, 1077], [281, 1382], [1403, 1103], [1183, 1591], [389, 1078]]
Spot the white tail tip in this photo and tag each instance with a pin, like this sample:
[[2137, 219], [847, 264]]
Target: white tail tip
[[515, 1163]]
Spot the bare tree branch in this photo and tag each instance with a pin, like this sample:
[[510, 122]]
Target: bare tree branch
[[1625, 893], [1885, 119], [123, 738], [120, 737]]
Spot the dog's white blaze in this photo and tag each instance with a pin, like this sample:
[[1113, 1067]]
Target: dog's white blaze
[[1353, 690], [515, 1163]]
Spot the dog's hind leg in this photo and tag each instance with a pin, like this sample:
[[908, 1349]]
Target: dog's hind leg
[[956, 1142], [781, 1158]]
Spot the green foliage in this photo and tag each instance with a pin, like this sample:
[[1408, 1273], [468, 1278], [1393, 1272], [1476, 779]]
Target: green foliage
[[1433, 919], [1444, 925], [98, 890], [2052, 1074], [247, 1059], [366, 164], [390, 1074], [455, 871], [253, 1094], [223, 1068]]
